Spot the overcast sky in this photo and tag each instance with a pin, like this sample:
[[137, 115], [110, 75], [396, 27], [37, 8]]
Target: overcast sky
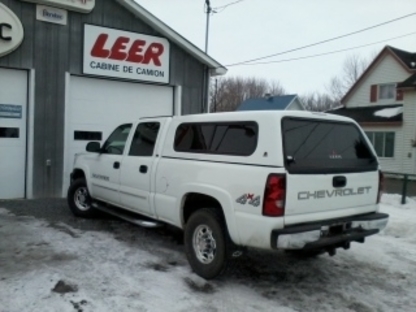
[[255, 28]]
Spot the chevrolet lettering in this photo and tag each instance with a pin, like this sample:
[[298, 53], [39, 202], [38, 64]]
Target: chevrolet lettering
[[334, 193], [164, 170]]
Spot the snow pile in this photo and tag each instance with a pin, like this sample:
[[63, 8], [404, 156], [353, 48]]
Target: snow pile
[[402, 223], [45, 268], [389, 112]]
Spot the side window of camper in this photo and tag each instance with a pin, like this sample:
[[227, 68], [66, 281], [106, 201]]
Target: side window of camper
[[222, 138]]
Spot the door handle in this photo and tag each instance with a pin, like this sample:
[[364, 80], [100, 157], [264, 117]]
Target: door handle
[[339, 181], [143, 169], [116, 165]]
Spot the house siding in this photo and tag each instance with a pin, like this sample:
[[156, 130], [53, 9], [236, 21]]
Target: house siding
[[295, 106], [394, 164], [52, 50], [409, 126], [388, 70], [404, 160]]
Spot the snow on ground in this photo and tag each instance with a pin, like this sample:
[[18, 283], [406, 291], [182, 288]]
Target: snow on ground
[[389, 112], [43, 268]]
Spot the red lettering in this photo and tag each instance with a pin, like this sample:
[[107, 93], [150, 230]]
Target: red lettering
[[153, 53], [98, 48], [135, 51], [118, 50]]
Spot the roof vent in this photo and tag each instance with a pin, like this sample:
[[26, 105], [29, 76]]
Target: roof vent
[[268, 96]]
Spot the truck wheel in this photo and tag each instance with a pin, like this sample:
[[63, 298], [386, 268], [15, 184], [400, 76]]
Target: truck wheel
[[206, 243], [79, 199]]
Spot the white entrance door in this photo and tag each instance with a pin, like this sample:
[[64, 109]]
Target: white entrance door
[[13, 102], [96, 107]]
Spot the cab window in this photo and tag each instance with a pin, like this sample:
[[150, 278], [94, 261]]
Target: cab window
[[117, 140]]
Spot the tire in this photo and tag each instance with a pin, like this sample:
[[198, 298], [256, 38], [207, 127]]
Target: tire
[[79, 199], [208, 264]]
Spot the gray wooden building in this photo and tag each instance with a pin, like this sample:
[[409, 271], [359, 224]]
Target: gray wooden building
[[71, 71]]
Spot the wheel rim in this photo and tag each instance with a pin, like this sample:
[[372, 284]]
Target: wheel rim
[[204, 244], [81, 199]]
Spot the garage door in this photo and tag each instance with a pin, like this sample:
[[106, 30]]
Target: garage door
[[13, 100], [97, 106]]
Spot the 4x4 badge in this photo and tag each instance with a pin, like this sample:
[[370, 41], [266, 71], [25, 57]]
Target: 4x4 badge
[[250, 198]]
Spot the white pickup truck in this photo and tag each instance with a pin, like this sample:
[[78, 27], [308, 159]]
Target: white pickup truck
[[298, 181]]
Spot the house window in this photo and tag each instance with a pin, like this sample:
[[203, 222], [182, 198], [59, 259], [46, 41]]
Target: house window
[[387, 91], [383, 143]]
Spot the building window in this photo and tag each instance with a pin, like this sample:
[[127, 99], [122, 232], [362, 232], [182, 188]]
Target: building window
[[87, 135], [383, 143], [9, 133], [224, 138], [387, 91]]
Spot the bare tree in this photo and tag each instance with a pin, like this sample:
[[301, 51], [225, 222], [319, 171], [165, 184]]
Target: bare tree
[[229, 92], [352, 69], [318, 102]]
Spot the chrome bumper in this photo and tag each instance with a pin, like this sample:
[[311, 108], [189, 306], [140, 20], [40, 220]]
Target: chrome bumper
[[329, 232]]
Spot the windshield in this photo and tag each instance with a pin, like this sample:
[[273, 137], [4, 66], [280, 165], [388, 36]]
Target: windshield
[[317, 146]]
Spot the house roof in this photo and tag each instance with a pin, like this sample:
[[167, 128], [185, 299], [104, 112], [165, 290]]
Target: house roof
[[280, 102], [408, 83], [372, 114], [404, 58], [408, 58], [147, 17]]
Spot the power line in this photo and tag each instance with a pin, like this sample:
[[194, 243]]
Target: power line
[[324, 41], [326, 53], [223, 7]]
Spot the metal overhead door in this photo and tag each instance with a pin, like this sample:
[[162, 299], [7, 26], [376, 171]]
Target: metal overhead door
[[13, 103], [95, 107]]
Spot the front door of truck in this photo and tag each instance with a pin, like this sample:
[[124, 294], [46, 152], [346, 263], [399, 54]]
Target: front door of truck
[[105, 168]]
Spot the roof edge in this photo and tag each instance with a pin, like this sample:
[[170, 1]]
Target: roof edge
[[370, 67], [216, 69]]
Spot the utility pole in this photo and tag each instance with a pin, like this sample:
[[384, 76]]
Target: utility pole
[[209, 11]]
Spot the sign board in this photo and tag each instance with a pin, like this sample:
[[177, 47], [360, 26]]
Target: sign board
[[121, 54], [82, 6], [10, 111], [51, 15], [11, 31]]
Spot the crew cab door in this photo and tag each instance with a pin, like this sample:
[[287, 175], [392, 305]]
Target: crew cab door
[[105, 167], [138, 165]]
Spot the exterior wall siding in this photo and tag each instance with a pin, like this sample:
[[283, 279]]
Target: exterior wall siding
[[404, 160], [388, 70], [409, 119], [53, 50], [394, 164]]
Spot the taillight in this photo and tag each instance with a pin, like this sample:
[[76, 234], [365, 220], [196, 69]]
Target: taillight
[[275, 196], [380, 186]]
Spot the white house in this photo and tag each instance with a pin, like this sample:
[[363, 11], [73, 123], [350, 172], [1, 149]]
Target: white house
[[383, 102]]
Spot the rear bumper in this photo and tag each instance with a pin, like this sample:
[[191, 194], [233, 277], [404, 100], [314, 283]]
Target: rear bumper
[[335, 232]]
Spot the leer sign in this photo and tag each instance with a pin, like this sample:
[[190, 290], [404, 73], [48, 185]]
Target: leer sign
[[83, 6], [122, 54], [11, 31]]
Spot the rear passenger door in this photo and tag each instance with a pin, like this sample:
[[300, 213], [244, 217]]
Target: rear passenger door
[[137, 168]]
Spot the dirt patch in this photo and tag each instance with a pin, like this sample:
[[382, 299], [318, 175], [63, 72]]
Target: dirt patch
[[201, 287], [78, 306], [62, 288], [160, 267]]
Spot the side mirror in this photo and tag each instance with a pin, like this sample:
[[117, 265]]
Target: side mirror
[[93, 147]]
